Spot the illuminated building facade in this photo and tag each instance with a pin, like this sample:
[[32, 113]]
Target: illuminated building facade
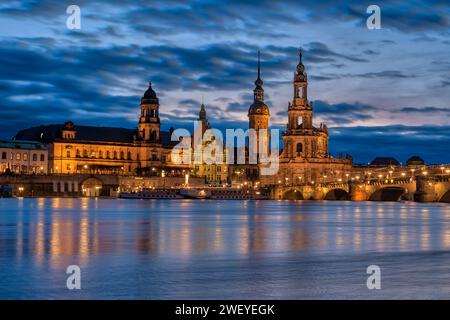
[[105, 150], [217, 171], [23, 157], [305, 157]]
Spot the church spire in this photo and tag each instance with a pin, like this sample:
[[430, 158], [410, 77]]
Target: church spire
[[202, 117], [259, 65], [300, 66], [258, 92]]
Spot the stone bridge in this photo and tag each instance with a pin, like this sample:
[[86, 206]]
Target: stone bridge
[[420, 188]]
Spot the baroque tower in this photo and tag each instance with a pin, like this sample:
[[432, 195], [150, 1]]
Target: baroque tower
[[258, 113], [149, 123], [303, 140]]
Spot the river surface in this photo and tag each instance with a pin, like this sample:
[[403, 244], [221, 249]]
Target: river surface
[[194, 249]]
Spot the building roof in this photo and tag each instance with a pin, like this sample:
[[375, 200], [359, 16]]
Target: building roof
[[384, 161], [150, 96], [415, 161], [22, 144], [52, 132], [258, 107]]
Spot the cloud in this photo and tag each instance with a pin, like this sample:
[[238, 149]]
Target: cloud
[[401, 142], [424, 110], [343, 113]]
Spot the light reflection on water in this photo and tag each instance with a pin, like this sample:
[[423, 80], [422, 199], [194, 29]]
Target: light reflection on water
[[193, 249]]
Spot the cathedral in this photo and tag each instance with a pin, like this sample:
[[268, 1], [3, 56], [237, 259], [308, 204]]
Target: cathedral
[[305, 157]]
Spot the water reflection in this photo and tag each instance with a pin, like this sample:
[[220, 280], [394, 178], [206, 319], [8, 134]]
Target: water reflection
[[49, 229]]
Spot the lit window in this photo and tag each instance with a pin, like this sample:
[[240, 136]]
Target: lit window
[[17, 156]]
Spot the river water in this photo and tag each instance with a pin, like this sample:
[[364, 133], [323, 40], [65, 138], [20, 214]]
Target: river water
[[194, 249]]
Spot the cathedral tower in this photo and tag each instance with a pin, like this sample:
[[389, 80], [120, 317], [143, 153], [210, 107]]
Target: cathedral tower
[[149, 123], [300, 109], [258, 113], [303, 140]]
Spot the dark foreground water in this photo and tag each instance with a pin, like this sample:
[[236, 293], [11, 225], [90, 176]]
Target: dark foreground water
[[170, 249]]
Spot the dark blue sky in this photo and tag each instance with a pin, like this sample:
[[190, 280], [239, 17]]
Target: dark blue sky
[[382, 92]]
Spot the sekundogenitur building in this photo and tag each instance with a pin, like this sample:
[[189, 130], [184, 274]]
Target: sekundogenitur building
[[147, 149]]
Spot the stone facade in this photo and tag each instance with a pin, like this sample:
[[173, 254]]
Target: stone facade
[[305, 157], [103, 150], [24, 157]]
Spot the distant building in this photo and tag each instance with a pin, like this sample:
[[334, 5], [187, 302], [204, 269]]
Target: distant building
[[415, 161], [105, 150], [384, 162], [23, 157], [213, 173]]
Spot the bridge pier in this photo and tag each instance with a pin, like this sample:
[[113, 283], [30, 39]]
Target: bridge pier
[[425, 190], [357, 193]]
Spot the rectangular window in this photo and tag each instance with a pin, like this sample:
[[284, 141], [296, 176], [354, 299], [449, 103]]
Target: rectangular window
[[4, 155], [18, 156], [42, 157], [34, 157], [68, 153], [25, 156]]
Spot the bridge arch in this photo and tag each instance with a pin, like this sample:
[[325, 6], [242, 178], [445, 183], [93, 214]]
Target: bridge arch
[[293, 194], [445, 197], [337, 194], [91, 187], [388, 194]]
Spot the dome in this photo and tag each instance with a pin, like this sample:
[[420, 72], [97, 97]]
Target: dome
[[149, 95], [258, 108], [415, 161]]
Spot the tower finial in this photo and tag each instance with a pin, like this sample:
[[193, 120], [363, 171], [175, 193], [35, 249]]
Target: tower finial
[[300, 52], [259, 64]]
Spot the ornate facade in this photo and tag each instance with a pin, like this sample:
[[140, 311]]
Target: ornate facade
[[214, 173], [305, 157], [105, 150]]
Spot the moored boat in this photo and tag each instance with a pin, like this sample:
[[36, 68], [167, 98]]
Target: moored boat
[[152, 194], [195, 193]]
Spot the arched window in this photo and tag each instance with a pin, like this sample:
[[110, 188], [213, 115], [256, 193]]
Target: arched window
[[129, 155], [115, 155], [122, 155], [299, 148]]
